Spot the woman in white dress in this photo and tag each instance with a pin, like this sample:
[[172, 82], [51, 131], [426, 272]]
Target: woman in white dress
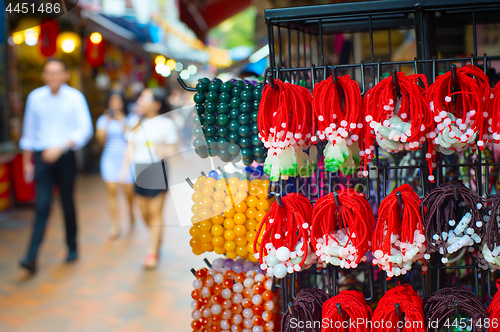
[[111, 128], [150, 142]]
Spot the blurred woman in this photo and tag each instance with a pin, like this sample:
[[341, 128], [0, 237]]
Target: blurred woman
[[110, 132], [151, 142]]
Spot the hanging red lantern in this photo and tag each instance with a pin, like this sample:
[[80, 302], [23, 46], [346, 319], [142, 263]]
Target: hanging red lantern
[[95, 49], [49, 30]]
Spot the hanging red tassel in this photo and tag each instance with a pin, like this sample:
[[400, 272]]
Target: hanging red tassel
[[95, 52], [352, 307], [49, 30]]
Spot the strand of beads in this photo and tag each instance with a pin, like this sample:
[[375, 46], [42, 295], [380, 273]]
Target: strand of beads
[[228, 209], [339, 122], [398, 240], [410, 304], [494, 310], [453, 219], [285, 125], [284, 245], [227, 120], [342, 227], [460, 122], [396, 124], [234, 296], [442, 306], [491, 245], [352, 307]]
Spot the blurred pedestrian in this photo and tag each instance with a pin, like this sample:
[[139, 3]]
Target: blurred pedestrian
[[111, 128], [149, 144], [56, 123]]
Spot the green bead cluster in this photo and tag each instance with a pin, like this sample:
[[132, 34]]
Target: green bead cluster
[[226, 121]]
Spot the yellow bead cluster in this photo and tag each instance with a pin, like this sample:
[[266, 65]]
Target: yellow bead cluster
[[227, 214]]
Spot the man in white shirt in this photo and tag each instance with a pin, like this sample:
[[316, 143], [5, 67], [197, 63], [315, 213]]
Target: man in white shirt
[[56, 123]]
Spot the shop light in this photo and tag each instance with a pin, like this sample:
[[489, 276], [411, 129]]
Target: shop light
[[17, 38], [179, 66], [95, 38], [68, 46], [166, 72], [171, 64], [192, 69], [184, 74], [31, 37], [163, 70], [160, 59]]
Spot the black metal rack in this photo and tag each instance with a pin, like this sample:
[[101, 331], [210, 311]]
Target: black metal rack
[[297, 39]]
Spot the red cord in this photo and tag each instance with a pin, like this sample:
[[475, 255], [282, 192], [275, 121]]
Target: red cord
[[494, 310], [398, 239], [493, 123], [285, 226], [341, 235], [411, 305], [353, 307]]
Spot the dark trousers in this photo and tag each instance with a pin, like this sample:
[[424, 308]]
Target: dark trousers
[[61, 173]]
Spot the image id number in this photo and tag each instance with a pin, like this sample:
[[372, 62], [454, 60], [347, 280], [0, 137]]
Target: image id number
[[25, 8]]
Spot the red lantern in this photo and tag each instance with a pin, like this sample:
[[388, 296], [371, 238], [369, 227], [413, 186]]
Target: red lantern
[[95, 50], [49, 30]]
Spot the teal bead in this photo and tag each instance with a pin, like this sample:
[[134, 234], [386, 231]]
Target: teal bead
[[199, 108], [244, 131], [254, 116], [204, 80], [224, 155], [246, 95], [213, 152], [256, 141], [246, 107], [210, 131], [240, 84], [217, 80], [225, 97], [210, 141], [247, 161], [222, 132], [212, 96], [249, 86], [202, 152], [202, 87], [233, 137], [209, 118], [223, 108], [259, 151], [257, 93], [234, 114], [233, 125], [210, 107], [245, 142], [259, 86], [214, 87], [255, 128], [256, 105], [244, 118], [222, 120], [199, 98], [233, 149], [199, 142], [198, 132], [235, 102], [198, 120], [236, 91], [226, 86], [260, 160]]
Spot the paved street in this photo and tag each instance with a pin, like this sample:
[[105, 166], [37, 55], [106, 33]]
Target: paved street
[[107, 290]]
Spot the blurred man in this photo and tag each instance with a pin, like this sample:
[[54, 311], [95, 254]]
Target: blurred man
[[56, 123]]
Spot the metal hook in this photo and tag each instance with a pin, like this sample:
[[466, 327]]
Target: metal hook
[[335, 80], [207, 262], [400, 198], [456, 193], [339, 309], [379, 70], [184, 86], [193, 271], [485, 61], [362, 68], [415, 63], [278, 199], [336, 199], [203, 173], [290, 308], [188, 180], [433, 69], [271, 81], [395, 82], [398, 309], [454, 80]]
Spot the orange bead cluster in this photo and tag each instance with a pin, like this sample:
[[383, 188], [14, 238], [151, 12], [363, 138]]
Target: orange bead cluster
[[227, 213], [239, 302]]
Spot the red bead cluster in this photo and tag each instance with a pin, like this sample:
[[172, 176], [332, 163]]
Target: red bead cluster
[[237, 302]]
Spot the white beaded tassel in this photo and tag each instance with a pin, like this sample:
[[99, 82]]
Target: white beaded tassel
[[402, 254], [338, 250]]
